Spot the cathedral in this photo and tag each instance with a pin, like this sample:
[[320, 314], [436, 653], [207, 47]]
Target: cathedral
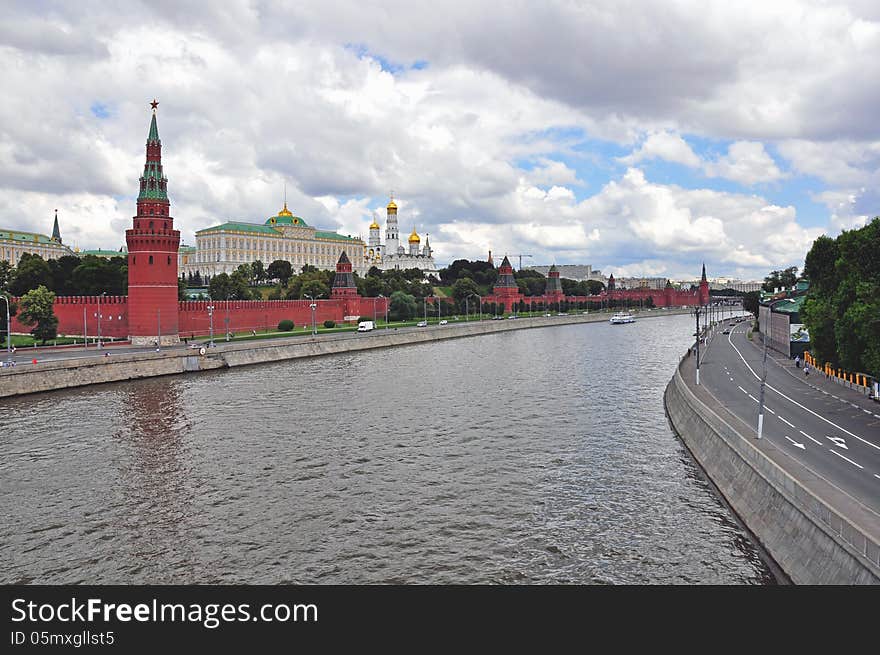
[[392, 254]]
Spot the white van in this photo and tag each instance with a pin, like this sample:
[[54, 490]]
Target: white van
[[365, 326]]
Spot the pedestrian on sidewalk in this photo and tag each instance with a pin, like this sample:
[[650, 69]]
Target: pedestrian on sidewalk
[[797, 361], [806, 370]]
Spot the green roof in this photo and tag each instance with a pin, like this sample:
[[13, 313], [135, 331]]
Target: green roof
[[102, 253], [334, 235], [30, 237], [790, 305], [186, 249], [286, 219], [242, 227], [269, 230]]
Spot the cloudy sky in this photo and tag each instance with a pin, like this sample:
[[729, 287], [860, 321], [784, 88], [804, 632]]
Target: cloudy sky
[[639, 137]]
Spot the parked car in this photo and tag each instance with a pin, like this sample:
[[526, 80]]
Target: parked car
[[365, 326], [444, 322], [422, 324]]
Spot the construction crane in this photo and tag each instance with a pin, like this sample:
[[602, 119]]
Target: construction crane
[[520, 259]]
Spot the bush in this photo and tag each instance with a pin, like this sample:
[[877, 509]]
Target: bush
[[329, 324], [285, 326]]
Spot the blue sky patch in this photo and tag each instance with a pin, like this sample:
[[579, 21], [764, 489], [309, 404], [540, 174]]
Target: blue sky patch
[[100, 110]]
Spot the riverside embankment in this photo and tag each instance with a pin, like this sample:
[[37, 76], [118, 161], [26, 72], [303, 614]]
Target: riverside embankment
[[815, 532], [61, 374]]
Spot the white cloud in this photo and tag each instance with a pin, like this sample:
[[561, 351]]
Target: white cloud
[[746, 162], [663, 145], [256, 95]]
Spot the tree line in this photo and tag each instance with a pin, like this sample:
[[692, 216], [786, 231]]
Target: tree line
[[842, 309]]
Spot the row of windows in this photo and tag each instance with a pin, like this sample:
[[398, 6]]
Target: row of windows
[[272, 245], [149, 261]]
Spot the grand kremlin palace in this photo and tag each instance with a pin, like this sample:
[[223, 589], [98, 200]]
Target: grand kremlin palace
[[223, 248]]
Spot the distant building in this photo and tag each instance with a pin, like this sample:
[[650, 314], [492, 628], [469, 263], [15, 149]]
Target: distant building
[[223, 248], [392, 255], [658, 283], [576, 272], [14, 244]]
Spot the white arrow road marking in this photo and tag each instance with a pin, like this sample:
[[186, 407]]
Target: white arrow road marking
[[791, 400], [847, 459], [838, 441], [786, 422], [798, 445], [809, 437]]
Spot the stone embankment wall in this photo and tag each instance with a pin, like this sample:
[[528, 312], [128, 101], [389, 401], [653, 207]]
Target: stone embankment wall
[[811, 542], [49, 375]]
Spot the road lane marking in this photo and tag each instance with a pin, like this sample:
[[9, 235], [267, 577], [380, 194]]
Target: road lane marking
[[877, 476], [867, 411], [786, 422], [838, 441], [741, 389], [798, 445], [810, 438], [791, 400], [753, 398], [847, 459], [769, 410]]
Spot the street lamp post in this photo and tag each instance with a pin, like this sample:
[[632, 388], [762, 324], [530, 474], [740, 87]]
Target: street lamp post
[[8, 331], [98, 315], [386, 310], [211, 318], [313, 306]]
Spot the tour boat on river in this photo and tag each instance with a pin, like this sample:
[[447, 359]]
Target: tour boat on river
[[622, 317]]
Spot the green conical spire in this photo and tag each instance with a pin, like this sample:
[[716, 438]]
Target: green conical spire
[[56, 232], [154, 131]]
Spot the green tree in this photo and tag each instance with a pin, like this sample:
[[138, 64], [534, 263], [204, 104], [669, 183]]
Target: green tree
[[463, 287], [61, 270], [780, 279], [220, 287], [402, 307], [280, 270], [7, 273], [96, 275], [181, 289], [315, 288], [37, 309], [32, 272], [258, 271]]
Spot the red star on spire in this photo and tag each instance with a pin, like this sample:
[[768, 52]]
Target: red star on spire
[[154, 104]]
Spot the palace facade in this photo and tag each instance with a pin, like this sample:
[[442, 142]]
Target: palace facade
[[223, 248], [13, 244]]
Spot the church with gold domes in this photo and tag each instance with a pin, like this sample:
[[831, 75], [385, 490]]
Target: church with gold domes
[[392, 254]]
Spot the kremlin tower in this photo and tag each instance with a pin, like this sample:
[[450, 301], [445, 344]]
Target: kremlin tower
[[152, 255], [506, 289]]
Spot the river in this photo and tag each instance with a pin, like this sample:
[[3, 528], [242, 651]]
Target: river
[[532, 456]]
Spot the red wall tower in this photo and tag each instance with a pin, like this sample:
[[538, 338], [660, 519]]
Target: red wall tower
[[152, 254]]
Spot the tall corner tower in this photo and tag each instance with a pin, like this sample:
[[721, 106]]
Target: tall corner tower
[[391, 239], [704, 287], [152, 254]]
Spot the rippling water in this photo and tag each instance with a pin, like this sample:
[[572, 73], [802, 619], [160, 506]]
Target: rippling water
[[535, 456]]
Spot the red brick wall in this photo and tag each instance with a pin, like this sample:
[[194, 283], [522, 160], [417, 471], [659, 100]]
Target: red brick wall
[[69, 310]]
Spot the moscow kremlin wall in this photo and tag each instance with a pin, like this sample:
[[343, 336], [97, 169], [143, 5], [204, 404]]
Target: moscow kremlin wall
[[152, 311]]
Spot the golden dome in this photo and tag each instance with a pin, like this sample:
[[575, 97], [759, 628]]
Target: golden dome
[[285, 211], [374, 225], [392, 205], [414, 238]]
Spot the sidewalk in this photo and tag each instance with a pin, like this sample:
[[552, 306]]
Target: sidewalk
[[819, 381]]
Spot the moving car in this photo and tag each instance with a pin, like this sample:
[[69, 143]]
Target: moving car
[[365, 326], [422, 324], [444, 322]]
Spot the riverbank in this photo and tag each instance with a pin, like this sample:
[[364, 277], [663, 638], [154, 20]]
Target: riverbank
[[61, 374], [790, 511]]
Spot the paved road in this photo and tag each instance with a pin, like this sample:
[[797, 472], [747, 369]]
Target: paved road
[[832, 430]]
